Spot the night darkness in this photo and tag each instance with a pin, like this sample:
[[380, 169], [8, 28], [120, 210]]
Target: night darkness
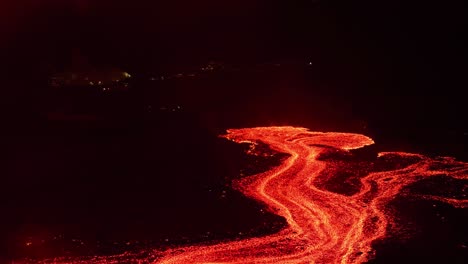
[[112, 111]]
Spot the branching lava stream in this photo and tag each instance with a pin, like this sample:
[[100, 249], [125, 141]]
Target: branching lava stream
[[323, 226]]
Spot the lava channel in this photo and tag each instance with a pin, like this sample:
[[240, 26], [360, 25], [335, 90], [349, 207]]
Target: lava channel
[[322, 226]]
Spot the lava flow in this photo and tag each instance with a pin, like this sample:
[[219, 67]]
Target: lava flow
[[323, 226]]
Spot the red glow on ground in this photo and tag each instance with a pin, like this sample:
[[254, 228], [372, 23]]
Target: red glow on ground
[[323, 226]]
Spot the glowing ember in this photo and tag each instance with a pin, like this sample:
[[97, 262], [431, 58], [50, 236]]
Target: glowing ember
[[323, 226]]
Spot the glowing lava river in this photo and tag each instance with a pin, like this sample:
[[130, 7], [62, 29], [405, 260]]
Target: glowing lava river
[[323, 225]]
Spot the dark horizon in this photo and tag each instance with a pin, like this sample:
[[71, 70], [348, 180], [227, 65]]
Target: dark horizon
[[375, 55]]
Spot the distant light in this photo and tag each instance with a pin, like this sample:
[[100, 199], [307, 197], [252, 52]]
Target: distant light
[[91, 83], [99, 82], [126, 75], [310, 63]]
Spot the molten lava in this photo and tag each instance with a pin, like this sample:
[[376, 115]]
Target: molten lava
[[323, 226]]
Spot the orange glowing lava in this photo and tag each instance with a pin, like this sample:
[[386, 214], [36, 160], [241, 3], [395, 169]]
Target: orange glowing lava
[[323, 226]]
